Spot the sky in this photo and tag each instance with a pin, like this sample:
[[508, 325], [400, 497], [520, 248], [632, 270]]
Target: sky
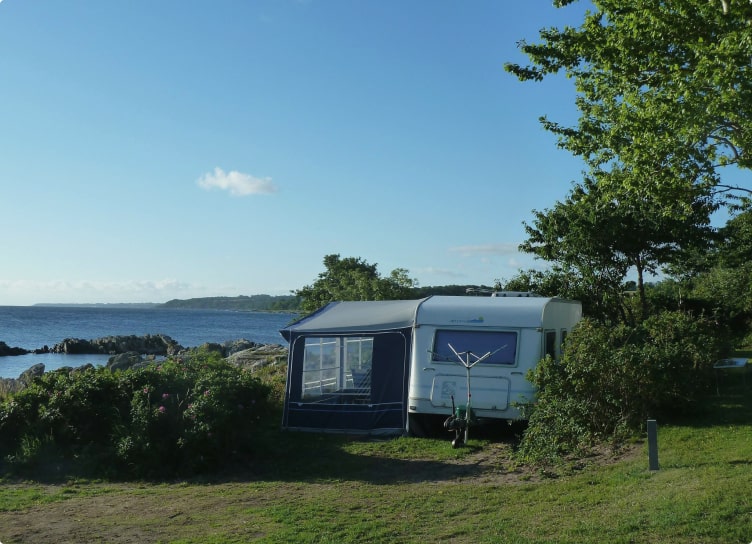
[[180, 149]]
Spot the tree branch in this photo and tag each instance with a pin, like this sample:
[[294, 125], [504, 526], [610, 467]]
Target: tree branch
[[729, 188]]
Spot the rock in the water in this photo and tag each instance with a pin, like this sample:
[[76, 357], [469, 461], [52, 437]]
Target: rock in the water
[[6, 350], [150, 344]]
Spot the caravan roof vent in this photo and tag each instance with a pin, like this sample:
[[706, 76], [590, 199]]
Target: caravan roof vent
[[514, 294]]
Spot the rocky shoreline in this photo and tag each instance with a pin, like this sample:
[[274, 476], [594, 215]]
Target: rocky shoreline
[[149, 344], [137, 351]]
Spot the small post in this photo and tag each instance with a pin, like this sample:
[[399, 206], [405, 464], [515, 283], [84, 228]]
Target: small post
[[652, 444]]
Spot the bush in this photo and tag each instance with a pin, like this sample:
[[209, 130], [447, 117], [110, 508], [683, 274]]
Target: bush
[[611, 379], [176, 417]]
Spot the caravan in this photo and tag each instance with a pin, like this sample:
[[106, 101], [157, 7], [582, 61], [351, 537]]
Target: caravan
[[390, 367]]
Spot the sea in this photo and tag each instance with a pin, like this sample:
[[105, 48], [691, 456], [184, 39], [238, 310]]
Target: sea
[[33, 327]]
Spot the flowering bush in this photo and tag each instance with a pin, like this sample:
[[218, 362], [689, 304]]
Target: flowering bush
[[175, 417]]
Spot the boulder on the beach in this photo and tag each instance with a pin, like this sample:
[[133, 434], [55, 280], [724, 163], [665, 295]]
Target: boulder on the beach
[[209, 347], [234, 346], [258, 356], [30, 373], [124, 361], [227, 348]]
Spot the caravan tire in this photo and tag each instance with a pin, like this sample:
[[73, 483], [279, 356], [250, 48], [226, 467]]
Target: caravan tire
[[426, 425], [417, 425]]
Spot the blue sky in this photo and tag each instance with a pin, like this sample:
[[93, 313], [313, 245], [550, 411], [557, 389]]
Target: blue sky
[[177, 149]]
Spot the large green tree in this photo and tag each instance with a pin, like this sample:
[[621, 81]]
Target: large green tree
[[352, 278], [665, 100], [599, 234], [664, 89], [669, 75]]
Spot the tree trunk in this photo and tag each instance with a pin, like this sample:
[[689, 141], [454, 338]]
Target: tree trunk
[[641, 288]]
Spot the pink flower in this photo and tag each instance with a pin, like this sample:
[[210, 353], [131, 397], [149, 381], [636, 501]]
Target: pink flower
[[165, 396], [206, 393], [162, 409], [146, 390]]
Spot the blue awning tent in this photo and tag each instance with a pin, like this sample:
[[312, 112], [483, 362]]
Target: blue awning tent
[[348, 367]]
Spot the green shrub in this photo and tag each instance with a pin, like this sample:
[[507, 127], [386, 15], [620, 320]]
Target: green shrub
[[175, 417], [611, 379], [274, 376]]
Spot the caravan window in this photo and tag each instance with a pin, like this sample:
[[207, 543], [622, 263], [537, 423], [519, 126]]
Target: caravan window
[[337, 365], [551, 344], [502, 345]]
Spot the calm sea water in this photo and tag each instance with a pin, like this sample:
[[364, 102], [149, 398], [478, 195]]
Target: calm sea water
[[33, 327]]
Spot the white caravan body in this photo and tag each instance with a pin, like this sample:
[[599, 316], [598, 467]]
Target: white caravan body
[[518, 331]]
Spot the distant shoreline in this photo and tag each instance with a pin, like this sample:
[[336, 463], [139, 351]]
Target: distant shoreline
[[139, 305]]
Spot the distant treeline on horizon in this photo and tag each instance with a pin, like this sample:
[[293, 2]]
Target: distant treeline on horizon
[[292, 303], [268, 303]]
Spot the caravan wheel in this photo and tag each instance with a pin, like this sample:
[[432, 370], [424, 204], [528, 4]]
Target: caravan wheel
[[426, 425], [416, 425]]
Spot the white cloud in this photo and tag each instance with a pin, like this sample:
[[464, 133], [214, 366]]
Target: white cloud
[[237, 183]]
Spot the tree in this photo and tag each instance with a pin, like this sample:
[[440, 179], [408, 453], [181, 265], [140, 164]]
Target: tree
[[725, 282], [665, 101], [735, 246], [600, 233], [664, 87], [353, 278], [567, 282]]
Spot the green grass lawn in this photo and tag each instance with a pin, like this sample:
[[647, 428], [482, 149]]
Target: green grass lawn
[[317, 489]]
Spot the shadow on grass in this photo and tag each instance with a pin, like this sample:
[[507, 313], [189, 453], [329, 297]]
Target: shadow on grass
[[311, 458], [731, 404]]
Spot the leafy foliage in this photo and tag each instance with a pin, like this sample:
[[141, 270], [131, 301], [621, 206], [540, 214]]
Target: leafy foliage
[[663, 87], [450, 290], [612, 378], [720, 282], [353, 278], [600, 233], [176, 417], [665, 100]]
